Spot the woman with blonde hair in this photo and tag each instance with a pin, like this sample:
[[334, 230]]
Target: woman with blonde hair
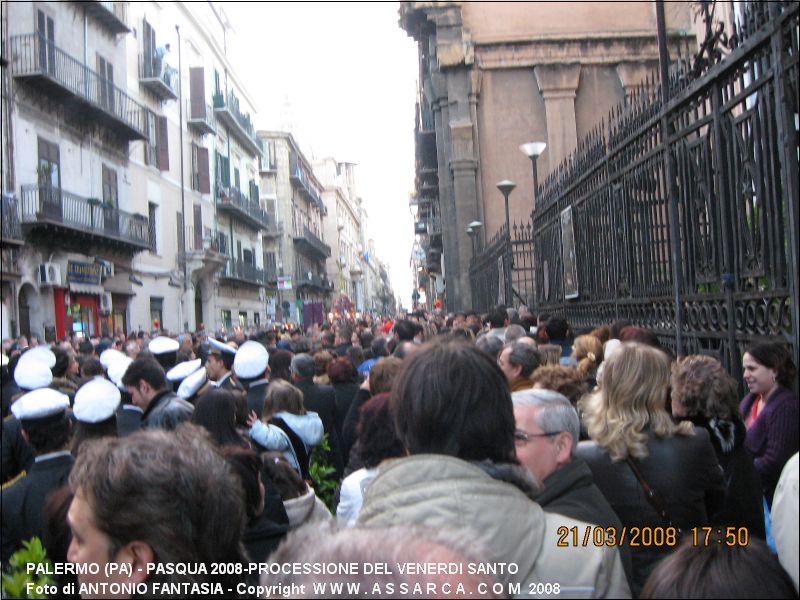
[[286, 426], [656, 474], [587, 350]]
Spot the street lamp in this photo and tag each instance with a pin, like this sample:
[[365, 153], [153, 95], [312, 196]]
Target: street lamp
[[473, 230], [533, 150], [471, 234], [506, 188]]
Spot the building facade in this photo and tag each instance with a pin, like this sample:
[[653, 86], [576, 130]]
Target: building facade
[[295, 247], [496, 75], [132, 164]]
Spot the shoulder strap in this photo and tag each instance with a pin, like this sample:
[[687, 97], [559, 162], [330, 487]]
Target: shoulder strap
[[653, 497], [297, 444]]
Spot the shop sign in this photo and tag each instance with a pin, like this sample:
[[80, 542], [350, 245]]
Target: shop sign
[[80, 272], [284, 283]]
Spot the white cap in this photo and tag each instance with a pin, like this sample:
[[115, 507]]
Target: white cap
[[610, 348], [251, 360], [40, 404], [221, 346], [110, 355], [191, 384], [32, 375], [162, 345], [183, 369], [41, 354], [96, 401], [116, 370], [3, 360]]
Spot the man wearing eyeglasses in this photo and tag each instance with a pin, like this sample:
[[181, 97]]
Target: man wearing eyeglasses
[[546, 436]]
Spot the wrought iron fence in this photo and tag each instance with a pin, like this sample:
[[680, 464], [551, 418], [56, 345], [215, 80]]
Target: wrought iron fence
[[732, 136]]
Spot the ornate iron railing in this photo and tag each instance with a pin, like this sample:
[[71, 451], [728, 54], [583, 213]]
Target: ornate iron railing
[[733, 141]]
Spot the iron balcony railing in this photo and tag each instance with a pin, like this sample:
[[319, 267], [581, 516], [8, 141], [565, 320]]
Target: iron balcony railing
[[311, 279], [36, 59], [113, 15], [200, 116], [44, 205], [237, 203], [158, 77], [11, 229], [298, 176], [307, 240], [239, 123], [205, 240], [238, 270]]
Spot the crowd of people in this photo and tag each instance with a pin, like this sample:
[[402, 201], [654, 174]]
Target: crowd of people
[[599, 464]]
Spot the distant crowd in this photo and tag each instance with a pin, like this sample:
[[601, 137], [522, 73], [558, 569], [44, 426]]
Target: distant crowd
[[596, 462]]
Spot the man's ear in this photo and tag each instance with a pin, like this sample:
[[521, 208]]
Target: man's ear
[[138, 555], [563, 443]]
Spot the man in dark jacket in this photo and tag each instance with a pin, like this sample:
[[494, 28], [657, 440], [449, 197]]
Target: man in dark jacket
[[147, 385], [251, 367], [46, 428], [322, 400], [547, 432]]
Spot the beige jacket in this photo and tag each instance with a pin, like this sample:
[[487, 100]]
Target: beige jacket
[[442, 492]]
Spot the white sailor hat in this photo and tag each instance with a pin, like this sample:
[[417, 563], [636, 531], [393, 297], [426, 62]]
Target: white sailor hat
[[191, 384], [163, 345], [96, 401], [218, 347], [40, 354], [110, 355], [32, 375], [40, 404], [251, 360], [3, 360], [183, 369], [116, 370]]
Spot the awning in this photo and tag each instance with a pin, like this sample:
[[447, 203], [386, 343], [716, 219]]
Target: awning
[[86, 288]]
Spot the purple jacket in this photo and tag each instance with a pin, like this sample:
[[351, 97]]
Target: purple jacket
[[773, 437]]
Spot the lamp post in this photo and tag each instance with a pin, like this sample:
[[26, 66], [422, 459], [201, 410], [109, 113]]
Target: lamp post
[[533, 150], [471, 234], [506, 188], [476, 227]]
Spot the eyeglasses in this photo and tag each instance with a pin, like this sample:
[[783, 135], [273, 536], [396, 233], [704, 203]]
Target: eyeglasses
[[524, 437]]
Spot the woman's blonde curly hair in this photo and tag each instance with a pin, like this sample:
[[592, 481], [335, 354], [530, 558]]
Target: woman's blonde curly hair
[[631, 403]]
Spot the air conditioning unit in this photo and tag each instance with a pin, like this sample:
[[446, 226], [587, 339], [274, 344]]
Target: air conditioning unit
[[50, 274], [105, 303]]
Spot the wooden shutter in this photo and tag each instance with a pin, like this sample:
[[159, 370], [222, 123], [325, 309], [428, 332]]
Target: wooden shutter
[[203, 170], [198, 227], [109, 186], [197, 93], [162, 144]]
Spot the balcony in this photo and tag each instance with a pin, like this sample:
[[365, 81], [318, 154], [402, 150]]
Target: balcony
[[54, 213], [273, 228], [236, 204], [158, 77], [313, 281], [238, 123], [301, 181], [11, 228], [310, 245], [237, 272], [205, 251], [112, 15], [94, 99], [201, 117]]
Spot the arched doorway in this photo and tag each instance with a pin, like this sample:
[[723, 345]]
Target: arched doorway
[[198, 307], [29, 310]]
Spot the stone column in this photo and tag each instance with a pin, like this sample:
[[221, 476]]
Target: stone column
[[559, 85]]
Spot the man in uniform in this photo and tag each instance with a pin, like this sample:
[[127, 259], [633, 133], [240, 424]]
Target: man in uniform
[[219, 364], [46, 428], [252, 370]]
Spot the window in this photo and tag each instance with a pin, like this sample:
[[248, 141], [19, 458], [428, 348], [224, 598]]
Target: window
[[49, 168], [242, 319], [237, 183], [156, 149], [223, 170], [248, 257], [152, 213], [226, 319], [105, 86], [253, 191], [200, 176], [47, 42], [156, 312], [257, 319], [110, 186]]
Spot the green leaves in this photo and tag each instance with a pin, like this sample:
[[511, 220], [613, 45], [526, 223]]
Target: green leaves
[[323, 474], [17, 578]]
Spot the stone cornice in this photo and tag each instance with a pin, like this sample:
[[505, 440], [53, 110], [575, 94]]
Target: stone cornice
[[598, 50]]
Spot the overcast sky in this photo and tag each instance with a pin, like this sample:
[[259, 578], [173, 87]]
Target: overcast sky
[[344, 75]]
